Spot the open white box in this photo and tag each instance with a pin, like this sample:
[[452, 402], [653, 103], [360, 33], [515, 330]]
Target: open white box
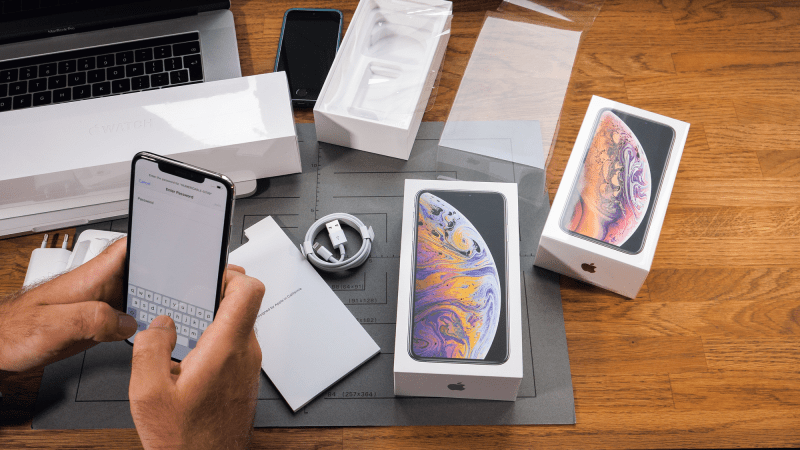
[[461, 378], [378, 87], [612, 266]]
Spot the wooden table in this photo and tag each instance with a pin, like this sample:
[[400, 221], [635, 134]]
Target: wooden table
[[708, 354]]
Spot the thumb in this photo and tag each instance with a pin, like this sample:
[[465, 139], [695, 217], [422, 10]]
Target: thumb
[[64, 330], [91, 321], [152, 357], [98, 279]]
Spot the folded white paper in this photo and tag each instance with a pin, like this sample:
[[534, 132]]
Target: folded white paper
[[309, 339]]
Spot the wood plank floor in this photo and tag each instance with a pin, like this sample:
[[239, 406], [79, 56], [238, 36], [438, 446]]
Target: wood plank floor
[[708, 354]]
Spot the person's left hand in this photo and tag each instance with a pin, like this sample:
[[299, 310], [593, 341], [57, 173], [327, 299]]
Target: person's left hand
[[67, 314]]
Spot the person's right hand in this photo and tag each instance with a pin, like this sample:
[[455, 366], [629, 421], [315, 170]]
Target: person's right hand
[[207, 400]]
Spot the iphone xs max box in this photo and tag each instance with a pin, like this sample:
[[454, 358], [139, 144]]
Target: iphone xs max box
[[458, 306], [605, 220]]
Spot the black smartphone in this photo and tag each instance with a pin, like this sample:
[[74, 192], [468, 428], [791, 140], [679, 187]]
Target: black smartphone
[[459, 311], [179, 219], [617, 186], [308, 44]]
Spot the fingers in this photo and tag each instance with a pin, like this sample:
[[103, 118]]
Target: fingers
[[216, 357], [54, 332], [88, 321], [229, 344], [236, 268], [99, 280], [254, 349], [238, 308], [231, 267], [152, 363], [113, 254]]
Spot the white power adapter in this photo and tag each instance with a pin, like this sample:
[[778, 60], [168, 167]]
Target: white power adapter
[[90, 244], [48, 262]]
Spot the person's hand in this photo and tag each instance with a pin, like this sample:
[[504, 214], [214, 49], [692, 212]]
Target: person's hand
[[207, 400], [66, 315]]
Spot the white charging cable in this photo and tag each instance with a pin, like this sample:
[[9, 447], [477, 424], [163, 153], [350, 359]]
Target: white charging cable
[[322, 258]]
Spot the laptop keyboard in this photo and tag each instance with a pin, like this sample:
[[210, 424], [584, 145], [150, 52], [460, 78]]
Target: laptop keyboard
[[100, 71]]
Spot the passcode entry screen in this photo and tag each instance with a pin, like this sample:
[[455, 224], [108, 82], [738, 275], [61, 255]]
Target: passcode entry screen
[[176, 239]]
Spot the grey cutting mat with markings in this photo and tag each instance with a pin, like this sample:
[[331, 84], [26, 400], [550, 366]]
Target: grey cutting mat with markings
[[90, 390]]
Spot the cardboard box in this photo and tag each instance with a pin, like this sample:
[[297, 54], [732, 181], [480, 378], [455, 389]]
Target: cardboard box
[[79, 154], [378, 87], [459, 248], [605, 220]]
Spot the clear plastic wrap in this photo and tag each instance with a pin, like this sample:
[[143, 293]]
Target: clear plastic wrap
[[508, 104], [503, 123]]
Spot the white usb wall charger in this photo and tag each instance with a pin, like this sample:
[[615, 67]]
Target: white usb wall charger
[[46, 262]]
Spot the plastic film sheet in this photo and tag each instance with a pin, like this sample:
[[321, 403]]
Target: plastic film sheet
[[504, 121]]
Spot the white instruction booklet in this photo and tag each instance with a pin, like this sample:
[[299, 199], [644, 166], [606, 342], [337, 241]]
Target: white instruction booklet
[[309, 340]]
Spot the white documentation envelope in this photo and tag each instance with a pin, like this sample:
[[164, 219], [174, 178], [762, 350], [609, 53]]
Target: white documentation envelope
[[309, 340]]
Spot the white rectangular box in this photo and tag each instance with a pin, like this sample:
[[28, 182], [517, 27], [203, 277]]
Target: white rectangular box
[[77, 154], [450, 273], [605, 220], [378, 86]]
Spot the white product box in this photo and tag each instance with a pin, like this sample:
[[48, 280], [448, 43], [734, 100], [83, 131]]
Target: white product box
[[378, 87], [605, 220], [460, 247], [77, 154]]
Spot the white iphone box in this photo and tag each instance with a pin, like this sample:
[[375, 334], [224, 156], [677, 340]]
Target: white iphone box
[[458, 302], [605, 220], [378, 87]]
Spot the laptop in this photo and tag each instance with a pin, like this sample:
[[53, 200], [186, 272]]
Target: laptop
[[58, 51]]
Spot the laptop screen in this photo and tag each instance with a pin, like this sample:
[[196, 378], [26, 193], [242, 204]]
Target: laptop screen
[[31, 19]]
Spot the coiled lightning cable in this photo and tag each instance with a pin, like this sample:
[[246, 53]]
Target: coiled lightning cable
[[322, 258]]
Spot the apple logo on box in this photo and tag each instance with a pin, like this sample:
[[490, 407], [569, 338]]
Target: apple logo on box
[[456, 387], [588, 267]]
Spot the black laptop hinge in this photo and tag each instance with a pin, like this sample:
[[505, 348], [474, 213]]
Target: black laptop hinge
[[83, 21]]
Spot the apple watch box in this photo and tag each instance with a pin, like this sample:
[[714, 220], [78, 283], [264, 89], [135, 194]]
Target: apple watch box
[[458, 306], [78, 154], [606, 217]]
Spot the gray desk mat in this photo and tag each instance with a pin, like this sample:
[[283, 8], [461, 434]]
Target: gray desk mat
[[90, 390]]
